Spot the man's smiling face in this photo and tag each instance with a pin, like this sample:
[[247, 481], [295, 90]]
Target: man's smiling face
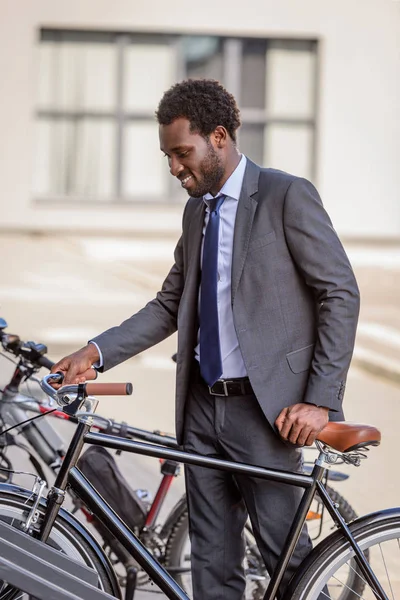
[[193, 159]]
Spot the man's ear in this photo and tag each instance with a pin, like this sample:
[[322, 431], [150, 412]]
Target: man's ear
[[220, 136]]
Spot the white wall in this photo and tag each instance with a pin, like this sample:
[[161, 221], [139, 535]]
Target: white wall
[[359, 116]]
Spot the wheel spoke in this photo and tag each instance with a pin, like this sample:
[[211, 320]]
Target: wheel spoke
[[344, 585], [357, 574], [387, 573]]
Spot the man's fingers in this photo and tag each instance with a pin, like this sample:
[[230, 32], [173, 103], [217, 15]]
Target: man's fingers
[[286, 428], [61, 366], [295, 435], [311, 439], [74, 372], [280, 419], [303, 435], [90, 374], [300, 423], [73, 376]]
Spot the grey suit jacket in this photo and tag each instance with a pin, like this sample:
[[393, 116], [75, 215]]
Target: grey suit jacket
[[295, 300]]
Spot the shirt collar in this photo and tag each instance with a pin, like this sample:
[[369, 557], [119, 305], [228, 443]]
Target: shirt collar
[[233, 185]]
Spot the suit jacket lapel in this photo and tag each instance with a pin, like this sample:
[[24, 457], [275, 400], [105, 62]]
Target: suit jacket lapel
[[244, 220], [194, 241]]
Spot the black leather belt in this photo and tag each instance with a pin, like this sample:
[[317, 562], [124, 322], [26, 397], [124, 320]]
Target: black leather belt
[[238, 386]]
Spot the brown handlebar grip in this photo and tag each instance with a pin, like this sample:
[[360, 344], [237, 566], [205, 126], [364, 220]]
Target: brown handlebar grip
[[109, 389]]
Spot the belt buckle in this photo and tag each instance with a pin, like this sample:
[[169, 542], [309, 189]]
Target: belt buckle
[[224, 385]]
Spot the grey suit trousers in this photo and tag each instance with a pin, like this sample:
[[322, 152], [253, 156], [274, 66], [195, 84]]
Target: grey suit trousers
[[235, 428]]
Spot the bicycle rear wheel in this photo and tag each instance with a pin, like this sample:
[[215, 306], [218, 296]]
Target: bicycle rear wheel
[[378, 535], [64, 537]]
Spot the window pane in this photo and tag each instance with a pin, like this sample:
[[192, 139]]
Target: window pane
[[45, 80], [251, 142], [77, 76], [253, 74], [290, 81], [54, 162], [98, 76], [95, 159], [289, 147], [202, 57], [149, 72], [74, 158], [145, 169], [42, 171]]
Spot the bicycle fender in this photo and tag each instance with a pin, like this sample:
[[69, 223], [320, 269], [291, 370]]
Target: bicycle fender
[[66, 516], [175, 514], [337, 476], [354, 526]]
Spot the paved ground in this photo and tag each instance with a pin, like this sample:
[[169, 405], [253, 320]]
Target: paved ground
[[62, 291]]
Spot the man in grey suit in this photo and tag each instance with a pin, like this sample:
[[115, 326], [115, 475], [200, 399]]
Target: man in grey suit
[[266, 305]]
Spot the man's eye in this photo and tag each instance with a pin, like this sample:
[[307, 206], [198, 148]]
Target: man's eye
[[183, 154]]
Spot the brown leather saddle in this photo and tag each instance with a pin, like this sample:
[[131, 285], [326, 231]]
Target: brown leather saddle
[[345, 436]]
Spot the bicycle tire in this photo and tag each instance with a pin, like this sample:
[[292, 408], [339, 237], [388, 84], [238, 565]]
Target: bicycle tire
[[322, 567], [64, 537], [256, 575]]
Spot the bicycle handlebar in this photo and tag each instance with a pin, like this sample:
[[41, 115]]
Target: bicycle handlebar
[[109, 389], [45, 362], [30, 351], [67, 394]]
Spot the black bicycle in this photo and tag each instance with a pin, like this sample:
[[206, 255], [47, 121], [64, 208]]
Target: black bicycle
[[324, 570], [168, 540]]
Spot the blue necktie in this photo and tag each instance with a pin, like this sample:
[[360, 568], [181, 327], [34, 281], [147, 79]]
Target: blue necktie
[[210, 350]]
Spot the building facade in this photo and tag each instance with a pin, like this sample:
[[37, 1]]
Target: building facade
[[318, 84]]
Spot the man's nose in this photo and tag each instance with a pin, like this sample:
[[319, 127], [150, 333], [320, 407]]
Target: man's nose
[[175, 166]]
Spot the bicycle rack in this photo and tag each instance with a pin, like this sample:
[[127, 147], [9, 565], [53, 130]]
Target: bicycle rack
[[42, 571]]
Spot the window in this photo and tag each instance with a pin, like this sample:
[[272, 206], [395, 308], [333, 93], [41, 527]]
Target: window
[[96, 135]]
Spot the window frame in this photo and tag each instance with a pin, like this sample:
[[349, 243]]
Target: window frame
[[232, 53]]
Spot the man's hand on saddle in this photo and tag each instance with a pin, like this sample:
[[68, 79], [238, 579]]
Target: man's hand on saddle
[[77, 367], [301, 423]]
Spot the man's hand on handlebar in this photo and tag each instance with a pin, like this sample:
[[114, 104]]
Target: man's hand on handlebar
[[77, 367]]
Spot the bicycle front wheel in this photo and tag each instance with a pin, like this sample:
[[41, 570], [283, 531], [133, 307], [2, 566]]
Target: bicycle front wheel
[[14, 509], [325, 569]]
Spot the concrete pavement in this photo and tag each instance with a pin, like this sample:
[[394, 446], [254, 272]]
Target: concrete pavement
[[62, 290]]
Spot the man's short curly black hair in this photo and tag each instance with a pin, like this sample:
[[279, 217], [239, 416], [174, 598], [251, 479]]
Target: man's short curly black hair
[[205, 103]]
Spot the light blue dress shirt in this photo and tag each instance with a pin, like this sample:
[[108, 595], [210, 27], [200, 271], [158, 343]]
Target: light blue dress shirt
[[232, 361]]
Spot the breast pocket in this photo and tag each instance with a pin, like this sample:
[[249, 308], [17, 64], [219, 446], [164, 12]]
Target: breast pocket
[[262, 240]]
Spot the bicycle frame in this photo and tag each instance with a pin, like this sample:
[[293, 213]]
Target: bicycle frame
[[49, 446], [69, 474]]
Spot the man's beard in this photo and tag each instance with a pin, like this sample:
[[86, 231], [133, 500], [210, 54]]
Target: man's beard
[[211, 173]]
